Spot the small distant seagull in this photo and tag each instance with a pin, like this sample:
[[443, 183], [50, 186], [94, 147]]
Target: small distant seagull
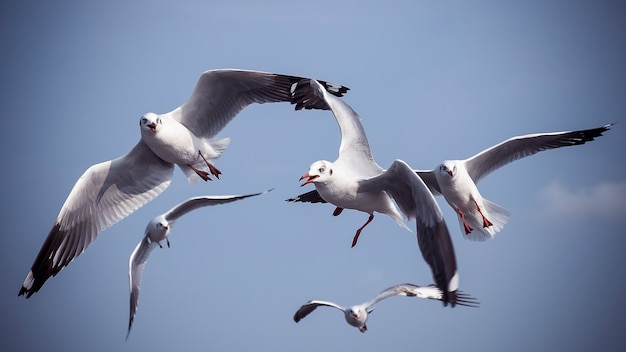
[[456, 180], [109, 191], [158, 229], [357, 315]]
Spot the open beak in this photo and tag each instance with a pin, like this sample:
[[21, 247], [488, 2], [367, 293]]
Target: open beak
[[152, 127], [309, 179], [449, 173]]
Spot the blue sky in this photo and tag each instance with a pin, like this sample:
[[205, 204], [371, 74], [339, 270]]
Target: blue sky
[[431, 81]]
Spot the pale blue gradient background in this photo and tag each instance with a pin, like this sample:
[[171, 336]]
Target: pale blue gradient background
[[431, 80]]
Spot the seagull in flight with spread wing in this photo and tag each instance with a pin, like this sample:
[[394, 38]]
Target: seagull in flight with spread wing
[[357, 315], [456, 180], [109, 191], [157, 230], [355, 181]]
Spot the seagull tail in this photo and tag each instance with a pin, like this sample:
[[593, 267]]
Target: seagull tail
[[496, 214]]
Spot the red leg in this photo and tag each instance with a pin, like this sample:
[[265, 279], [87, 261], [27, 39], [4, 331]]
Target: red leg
[[486, 222], [358, 232], [337, 211], [168, 242], [203, 174], [468, 229], [212, 168]]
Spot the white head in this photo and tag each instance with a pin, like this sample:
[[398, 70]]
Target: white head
[[356, 316], [158, 229], [319, 171], [448, 167], [150, 122]]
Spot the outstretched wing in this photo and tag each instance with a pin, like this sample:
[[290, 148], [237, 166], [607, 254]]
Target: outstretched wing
[[416, 202], [489, 160], [221, 94], [310, 306], [136, 265], [203, 201], [105, 194]]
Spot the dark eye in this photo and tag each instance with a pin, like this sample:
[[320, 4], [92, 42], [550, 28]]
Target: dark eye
[[321, 170], [143, 120], [159, 120]]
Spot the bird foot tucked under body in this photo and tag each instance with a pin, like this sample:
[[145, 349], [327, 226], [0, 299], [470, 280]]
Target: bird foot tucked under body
[[214, 171], [166, 240], [468, 229], [486, 222]]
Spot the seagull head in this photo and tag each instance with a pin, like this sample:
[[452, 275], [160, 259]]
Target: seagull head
[[448, 167], [317, 171], [356, 316], [150, 122], [158, 228]]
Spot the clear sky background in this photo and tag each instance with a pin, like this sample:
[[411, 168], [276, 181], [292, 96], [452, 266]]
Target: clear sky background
[[431, 81]]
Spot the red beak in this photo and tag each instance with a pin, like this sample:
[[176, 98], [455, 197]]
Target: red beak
[[309, 179], [152, 127]]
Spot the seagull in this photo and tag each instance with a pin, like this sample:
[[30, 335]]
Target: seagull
[[157, 230], [355, 181], [479, 218], [109, 191], [357, 315], [337, 182]]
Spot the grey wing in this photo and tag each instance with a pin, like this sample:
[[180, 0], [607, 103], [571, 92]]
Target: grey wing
[[354, 144], [487, 161], [415, 201], [204, 201], [221, 94], [428, 176], [397, 290], [310, 306], [105, 194], [136, 265], [308, 197]]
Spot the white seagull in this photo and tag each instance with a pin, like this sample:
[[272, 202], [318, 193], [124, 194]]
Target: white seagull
[[357, 315], [108, 192], [456, 180], [355, 181], [157, 230]]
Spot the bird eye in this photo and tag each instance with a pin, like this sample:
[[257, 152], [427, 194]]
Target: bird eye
[[321, 170], [159, 120], [143, 120]]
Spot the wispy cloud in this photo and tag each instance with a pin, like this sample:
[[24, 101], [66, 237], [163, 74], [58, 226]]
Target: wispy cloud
[[603, 201]]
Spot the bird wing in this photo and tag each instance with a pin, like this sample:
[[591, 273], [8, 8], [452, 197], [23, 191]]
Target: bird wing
[[203, 201], [397, 290], [136, 265], [515, 148], [416, 202], [221, 94], [310, 306], [354, 148], [105, 194], [429, 178], [308, 197]]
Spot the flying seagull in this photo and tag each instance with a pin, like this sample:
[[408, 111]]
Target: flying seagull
[[109, 191], [479, 218], [157, 230], [357, 315], [355, 181]]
